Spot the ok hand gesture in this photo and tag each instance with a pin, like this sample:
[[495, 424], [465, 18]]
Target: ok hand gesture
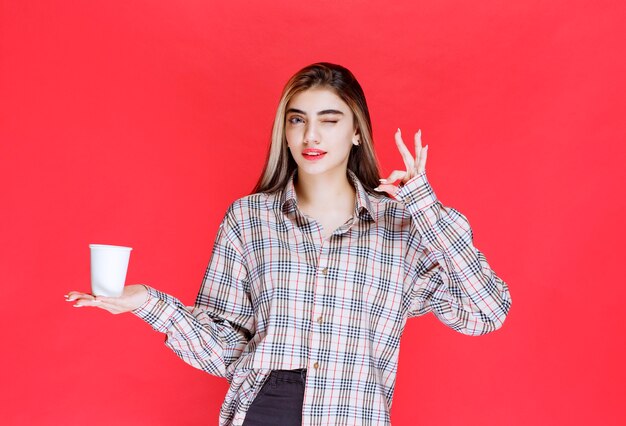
[[414, 166]]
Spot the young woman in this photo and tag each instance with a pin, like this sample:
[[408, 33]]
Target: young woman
[[313, 275]]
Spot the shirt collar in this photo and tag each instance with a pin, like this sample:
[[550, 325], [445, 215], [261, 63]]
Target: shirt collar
[[363, 207]]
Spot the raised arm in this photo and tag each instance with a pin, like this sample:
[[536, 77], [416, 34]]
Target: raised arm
[[446, 273]]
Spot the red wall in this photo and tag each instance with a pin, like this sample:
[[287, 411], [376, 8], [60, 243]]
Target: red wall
[[137, 123]]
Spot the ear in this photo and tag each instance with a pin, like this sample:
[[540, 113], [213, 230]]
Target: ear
[[356, 138]]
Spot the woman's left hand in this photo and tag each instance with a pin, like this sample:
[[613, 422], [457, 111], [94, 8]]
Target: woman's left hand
[[414, 166]]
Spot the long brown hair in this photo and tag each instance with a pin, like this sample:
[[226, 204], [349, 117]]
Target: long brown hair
[[362, 160]]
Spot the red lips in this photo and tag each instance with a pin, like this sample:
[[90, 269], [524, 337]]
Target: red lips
[[313, 154]]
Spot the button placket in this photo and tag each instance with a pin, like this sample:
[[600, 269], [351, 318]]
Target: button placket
[[320, 289]]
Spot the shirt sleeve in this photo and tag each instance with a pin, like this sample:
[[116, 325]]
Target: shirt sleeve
[[212, 334], [446, 273]]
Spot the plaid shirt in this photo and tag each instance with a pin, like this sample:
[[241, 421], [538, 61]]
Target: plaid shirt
[[276, 295]]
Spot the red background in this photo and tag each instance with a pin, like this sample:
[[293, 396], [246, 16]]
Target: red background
[[138, 123]]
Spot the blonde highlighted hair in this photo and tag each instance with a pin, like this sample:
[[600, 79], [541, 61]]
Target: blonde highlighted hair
[[279, 164]]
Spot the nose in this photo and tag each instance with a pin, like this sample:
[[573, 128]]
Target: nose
[[310, 134]]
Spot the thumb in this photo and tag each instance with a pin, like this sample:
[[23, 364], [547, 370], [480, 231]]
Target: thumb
[[388, 188]]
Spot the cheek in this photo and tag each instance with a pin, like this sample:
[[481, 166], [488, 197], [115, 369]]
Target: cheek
[[347, 137], [291, 135], [347, 131]]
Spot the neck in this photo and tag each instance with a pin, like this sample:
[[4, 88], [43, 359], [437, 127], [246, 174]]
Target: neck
[[325, 191]]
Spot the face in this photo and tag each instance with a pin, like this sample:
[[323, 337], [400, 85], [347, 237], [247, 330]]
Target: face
[[320, 132]]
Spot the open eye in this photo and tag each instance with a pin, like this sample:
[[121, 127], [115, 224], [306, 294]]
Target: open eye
[[295, 120]]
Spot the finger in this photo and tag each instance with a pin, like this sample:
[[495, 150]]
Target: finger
[[84, 303], [395, 176], [422, 162], [409, 162], [418, 146], [418, 141], [76, 298], [86, 300], [389, 189], [73, 295]]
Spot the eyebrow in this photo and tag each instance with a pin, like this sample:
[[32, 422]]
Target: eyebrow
[[326, 111]]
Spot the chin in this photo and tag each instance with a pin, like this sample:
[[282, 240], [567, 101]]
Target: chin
[[318, 170]]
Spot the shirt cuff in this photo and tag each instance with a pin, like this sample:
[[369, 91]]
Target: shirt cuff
[[417, 194], [157, 309]]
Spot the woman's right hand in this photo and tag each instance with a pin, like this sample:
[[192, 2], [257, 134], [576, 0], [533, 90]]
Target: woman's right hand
[[133, 297]]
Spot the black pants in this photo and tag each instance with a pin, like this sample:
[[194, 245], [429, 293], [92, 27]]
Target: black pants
[[279, 402]]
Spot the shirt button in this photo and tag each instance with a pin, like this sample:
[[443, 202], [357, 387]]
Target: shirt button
[[316, 365], [325, 271], [319, 319]]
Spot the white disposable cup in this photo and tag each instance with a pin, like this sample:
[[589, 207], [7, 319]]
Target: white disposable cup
[[108, 269]]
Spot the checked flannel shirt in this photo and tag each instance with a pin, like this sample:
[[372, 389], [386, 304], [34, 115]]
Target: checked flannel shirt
[[276, 295]]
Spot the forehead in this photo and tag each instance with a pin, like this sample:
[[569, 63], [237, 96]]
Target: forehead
[[317, 99]]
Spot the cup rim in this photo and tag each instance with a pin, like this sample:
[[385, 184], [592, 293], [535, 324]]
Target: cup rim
[[110, 247]]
